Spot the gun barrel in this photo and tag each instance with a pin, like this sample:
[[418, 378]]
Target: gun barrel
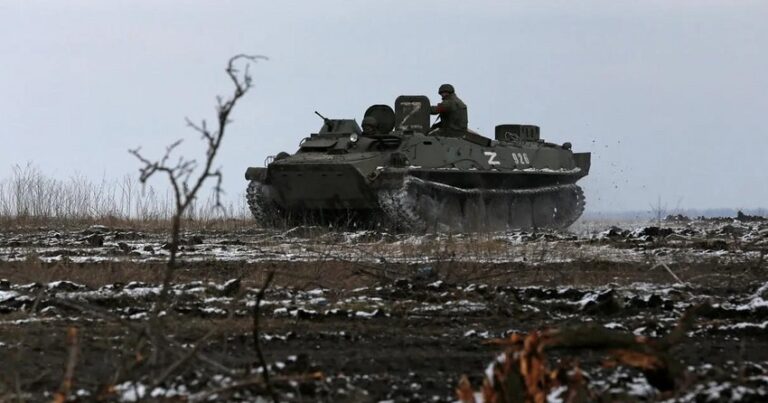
[[321, 116]]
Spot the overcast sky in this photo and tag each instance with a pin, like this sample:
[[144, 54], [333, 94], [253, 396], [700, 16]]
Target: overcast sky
[[671, 97]]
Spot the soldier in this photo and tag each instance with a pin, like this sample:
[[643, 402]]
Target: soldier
[[370, 126], [452, 111]]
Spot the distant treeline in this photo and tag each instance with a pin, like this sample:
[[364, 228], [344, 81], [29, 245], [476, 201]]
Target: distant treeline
[[690, 213]]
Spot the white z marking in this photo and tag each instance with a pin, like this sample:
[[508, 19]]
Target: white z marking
[[492, 158], [415, 107]]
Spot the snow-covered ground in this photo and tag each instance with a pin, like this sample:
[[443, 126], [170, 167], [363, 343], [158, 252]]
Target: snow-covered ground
[[416, 320]]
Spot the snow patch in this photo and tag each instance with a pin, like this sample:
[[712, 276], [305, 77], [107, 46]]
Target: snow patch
[[7, 295]]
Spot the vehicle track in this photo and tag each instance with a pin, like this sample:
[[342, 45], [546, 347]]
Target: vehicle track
[[420, 205]]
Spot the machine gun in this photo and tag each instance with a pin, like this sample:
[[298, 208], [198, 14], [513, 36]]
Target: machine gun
[[338, 126], [328, 122]]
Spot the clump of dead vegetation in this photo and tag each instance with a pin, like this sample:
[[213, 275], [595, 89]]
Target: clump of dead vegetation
[[523, 372]]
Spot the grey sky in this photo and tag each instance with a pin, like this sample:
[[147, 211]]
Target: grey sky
[[670, 96]]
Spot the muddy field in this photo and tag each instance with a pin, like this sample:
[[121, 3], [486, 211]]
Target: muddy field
[[371, 316]]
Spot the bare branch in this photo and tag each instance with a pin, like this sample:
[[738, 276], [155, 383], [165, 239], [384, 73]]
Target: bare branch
[[187, 178], [256, 330], [69, 371], [184, 359]]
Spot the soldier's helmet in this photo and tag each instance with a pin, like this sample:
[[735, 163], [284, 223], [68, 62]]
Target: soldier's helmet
[[445, 88], [369, 123]]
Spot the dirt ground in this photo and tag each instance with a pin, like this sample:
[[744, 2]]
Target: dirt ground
[[370, 316]]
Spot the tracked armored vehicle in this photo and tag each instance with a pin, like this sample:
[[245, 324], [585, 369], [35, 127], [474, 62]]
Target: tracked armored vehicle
[[410, 177]]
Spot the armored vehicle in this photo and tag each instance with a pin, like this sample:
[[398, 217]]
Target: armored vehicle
[[406, 175]]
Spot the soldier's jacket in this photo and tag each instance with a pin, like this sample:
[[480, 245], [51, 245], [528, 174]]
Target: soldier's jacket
[[453, 113]]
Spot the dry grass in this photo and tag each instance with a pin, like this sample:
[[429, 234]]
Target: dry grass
[[30, 198]]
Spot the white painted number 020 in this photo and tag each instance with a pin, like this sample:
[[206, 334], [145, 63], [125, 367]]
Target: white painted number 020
[[520, 158]]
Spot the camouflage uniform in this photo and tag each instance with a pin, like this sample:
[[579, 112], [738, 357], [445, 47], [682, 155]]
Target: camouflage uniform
[[452, 111]]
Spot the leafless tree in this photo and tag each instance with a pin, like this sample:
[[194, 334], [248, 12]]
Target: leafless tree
[[187, 176]]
